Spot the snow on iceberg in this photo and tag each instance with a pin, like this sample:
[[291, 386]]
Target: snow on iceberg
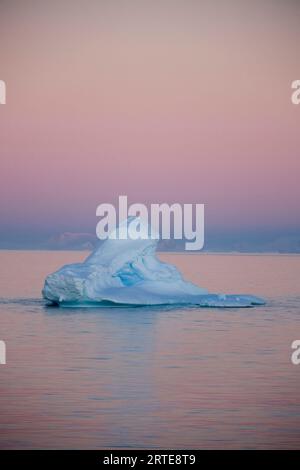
[[127, 272]]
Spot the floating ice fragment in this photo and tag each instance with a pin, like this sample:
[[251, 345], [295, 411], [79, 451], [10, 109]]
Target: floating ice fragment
[[127, 271]]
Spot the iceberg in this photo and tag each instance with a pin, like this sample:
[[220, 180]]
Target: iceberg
[[126, 271]]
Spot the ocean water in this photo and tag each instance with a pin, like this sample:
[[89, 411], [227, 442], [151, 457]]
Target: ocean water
[[151, 377]]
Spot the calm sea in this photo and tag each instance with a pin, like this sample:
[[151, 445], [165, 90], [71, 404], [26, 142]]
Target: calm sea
[[151, 377]]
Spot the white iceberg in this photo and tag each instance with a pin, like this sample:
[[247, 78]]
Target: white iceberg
[[127, 272]]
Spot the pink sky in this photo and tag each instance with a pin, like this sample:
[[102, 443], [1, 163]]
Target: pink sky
[[171, 101]]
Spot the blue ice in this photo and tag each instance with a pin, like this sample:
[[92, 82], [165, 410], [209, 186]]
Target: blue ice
[[127, 272]]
